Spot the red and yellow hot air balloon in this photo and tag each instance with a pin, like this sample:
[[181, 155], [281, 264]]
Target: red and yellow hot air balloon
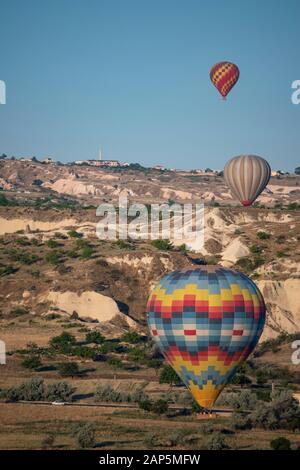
[[224, 76], [247, 176]]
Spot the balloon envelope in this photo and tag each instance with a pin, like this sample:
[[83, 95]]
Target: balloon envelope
[[206, 321], [224, 76], [247, 176]]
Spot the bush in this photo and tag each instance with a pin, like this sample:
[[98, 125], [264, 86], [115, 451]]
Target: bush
[[6, 270], [239, 421], [159, 407], [18, 312], [87, 252], [278, 413], [32, 362], [107, 394], [169, 376], [216, 442], [68, 369], [94, 337], [74, 234], [137, 356], [23, 257], [52, 243], [48, 441], [85, 435], [280, 443], [145, 405], [31, 390], [164, 245], [243, 400], [123, 245], [59, 391], [263, 235], [131, 337], [54, 257], [255, 249], [63, 342]]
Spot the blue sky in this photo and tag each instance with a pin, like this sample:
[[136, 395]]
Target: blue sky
[[132, 77]]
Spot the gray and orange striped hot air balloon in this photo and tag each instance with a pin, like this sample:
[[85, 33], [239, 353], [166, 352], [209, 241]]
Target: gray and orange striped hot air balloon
[[247, 176]]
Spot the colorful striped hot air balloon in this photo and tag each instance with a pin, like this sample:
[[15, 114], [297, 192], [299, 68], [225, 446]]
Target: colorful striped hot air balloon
[[206, 321], [224, 76], [247, 176]]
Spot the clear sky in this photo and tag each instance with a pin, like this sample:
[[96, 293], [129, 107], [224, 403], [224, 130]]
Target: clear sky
[[132, 77]]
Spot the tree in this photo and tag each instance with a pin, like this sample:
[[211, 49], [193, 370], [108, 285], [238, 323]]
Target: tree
[[280, 443], [297, 170], [59, 391], [131, 337], [216, 442], [68, 369], [169, 376], [32, 362], [159, 407], [85, 435], [63, 342], [94, 337]]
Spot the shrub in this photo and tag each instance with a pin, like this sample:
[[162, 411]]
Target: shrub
[[169, 376], [145, 405], [123, 245], [87, 252], [263, 235], [31, 390], [244, 400], [59, 391], [255, 249], [60, 235], [54, 257], [280, 254], [32, 362], [85, 435], [115, 363], [6, 270], [74, 234], [159, 407], [280, 443], [52, 243], [23, 257], [239, 421], [131, 337], [94, 337], [72, 254], [137, 356], [216, 442], [164, 245], [18, 311], [48, 441], [63, 342], [107, 394], [68, 369]]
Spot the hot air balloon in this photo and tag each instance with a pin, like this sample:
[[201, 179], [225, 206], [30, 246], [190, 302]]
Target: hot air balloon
[[206, 321], [224, 76], [247, 176]]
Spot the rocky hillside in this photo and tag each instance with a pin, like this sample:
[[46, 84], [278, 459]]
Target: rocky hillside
[[52, 263]]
